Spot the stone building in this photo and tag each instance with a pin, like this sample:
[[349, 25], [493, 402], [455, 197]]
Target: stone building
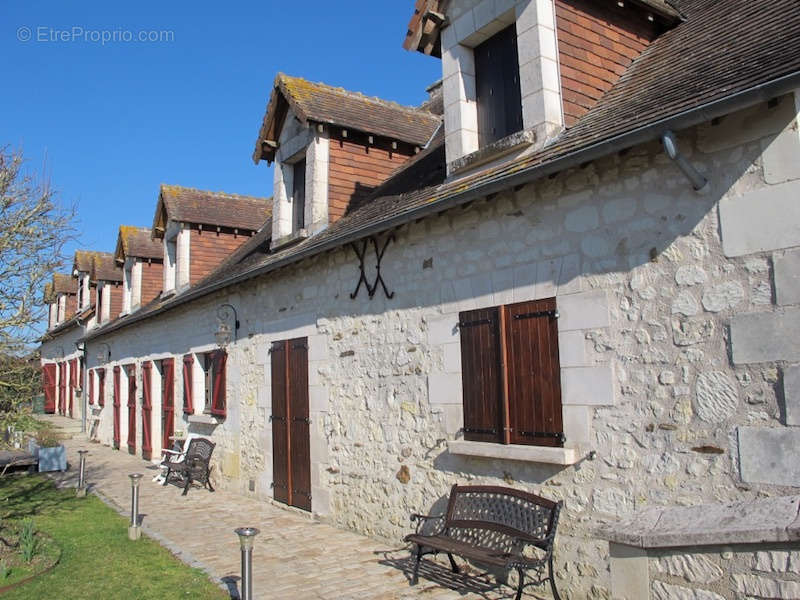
[[579, 277]]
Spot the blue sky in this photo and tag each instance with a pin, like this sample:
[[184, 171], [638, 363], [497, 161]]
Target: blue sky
[[113, 120]]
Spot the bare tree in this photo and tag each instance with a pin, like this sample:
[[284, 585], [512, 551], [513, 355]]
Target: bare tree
[[34, 228]]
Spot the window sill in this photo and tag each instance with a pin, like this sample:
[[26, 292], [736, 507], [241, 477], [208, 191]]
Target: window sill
[[286, 240], [496, 150], [204, 419], [535, 454]]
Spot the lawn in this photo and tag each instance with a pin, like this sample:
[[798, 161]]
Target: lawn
[[98, 560]]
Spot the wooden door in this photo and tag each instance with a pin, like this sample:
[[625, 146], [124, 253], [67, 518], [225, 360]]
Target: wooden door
[[290, 423], [115, 403], [147, 410], [167, 401], [132, 409], [62, 388], [49, 384]]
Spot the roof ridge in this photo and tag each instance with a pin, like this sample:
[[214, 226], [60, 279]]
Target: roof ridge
[[219, 193], [361, 95]]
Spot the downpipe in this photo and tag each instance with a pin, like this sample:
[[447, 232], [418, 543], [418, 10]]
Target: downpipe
[[695, 177]]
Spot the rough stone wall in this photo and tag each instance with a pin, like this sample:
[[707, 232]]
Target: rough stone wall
[[626, 229], [714, 573]]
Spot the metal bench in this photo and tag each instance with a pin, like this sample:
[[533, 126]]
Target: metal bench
[[492, 525], [195, 465]]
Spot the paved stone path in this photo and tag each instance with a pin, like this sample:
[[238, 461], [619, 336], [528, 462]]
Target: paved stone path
[[294, 557]]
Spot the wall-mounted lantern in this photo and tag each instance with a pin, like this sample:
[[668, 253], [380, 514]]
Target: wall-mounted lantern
[[227, 325]]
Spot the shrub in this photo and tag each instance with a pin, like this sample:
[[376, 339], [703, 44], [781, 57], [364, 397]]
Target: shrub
[[47, 438]]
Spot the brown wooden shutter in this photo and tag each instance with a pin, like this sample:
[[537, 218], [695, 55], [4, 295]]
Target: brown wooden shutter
[[534, 376], [299, 446], [480, 374], [280, 426], [188, 366], [49, 378], [115, 402], [147, 409], [218, 404], [101, 387], [167, 402], [132, 409], [499, 98], [91, 387]]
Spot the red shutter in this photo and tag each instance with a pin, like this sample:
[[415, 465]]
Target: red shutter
[[73, 383], [481, 375], [101, 387], [116, 406], [147, 409], [534, 375], [62, 388], [167, 401], [218, 394], [49, 379], [91, 387], [132, 409], [188, 363]]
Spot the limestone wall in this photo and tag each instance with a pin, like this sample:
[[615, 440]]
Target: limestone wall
[[714, 573], [649, 301]]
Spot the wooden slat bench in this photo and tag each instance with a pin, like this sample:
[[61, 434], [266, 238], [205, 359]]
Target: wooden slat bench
[[492, 525]]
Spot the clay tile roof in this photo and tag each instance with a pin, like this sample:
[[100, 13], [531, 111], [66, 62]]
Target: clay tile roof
[[64, 283], [105, 268], [84, 259], [323, 103], [201, 207], [138, 242]]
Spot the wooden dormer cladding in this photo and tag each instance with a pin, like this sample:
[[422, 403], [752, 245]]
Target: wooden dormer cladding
[[357, 166], [145, 256], [206, 227], [597, 41], [209, 247]]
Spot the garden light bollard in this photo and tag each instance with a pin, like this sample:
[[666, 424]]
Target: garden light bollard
[[246, 538], [81, 491], [134, 531]]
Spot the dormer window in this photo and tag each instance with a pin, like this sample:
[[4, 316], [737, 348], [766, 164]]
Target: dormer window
[[127, 286], [497, 87], [299, 195]]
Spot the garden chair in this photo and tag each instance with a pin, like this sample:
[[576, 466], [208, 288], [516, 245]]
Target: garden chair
[[174, 455], [195, 466]]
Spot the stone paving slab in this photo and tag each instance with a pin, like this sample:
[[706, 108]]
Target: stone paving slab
[[294, 556]]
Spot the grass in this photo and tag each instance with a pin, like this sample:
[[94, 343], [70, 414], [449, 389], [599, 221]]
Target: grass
[[98, 560]]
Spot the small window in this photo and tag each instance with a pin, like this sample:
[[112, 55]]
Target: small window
[[299, 196], [497, 87], [215, 380], [98, 310], [510, 374]]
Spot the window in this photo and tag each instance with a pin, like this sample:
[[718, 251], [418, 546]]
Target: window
[[101, 387], [299, 195], [497, 87], [98, 310], [188, 370], [510, 374], [214, 372], [171, 264]]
